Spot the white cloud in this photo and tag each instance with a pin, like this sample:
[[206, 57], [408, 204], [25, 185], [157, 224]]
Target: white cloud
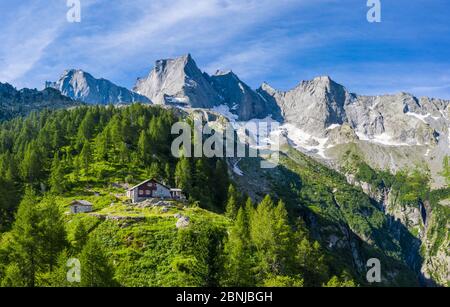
[[26, 38], [171, 28]]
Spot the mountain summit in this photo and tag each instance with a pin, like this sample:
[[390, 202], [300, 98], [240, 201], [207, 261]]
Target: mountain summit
[[80, 85], [178, 82]]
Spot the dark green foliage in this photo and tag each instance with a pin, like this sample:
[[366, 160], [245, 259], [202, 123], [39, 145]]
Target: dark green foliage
[[96, 269], [264, 249], [38, 236], [233, 203], [57, 180], [238, 253]]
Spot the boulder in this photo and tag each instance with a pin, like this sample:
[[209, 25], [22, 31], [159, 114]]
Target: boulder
[[183, 222]]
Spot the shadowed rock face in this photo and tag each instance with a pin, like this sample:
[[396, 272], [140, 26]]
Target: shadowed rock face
[[241, 99], [21, 102], [82, 86]]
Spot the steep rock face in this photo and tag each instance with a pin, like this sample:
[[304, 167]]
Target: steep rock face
[[241, 99], [436, 243], [316, 106], [313, 105], [21, 102], [178, 82], [428, 252], [398, 119], [82, 86]]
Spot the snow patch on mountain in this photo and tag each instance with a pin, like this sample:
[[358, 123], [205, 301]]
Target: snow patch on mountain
[[382, 139], [304, 141]]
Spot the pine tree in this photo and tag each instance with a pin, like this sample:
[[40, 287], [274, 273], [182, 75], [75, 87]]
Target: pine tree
[[87, 127], [124, 153], [183, 175], [13, 277], [96, 271], [31, 165], [271, 233], [26, 238], [232, 206], [238, 263], [283, 237], [52, 233], [144, 147], [168, 174], [57, 180], [86, 156], [221, 182], [311, 263], [249, 209], [101, 146], [58, 277], [344, 281], [201, 189], [78, 237], [154, 171]]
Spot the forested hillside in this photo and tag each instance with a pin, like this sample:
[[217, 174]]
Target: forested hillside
[[51, 158]]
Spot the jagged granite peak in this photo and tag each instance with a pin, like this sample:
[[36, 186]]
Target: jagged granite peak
[[268, 89], [223, 72], [241, 99], [312, 105], [80, 85], [178, 81], [15, 102]]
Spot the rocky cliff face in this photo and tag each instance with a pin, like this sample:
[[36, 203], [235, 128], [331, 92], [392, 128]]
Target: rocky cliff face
[[178, 82], [241, 99], [313, 105], [428, 255], [82, 86]]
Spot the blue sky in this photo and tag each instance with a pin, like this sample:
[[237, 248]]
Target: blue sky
[[278, 41]]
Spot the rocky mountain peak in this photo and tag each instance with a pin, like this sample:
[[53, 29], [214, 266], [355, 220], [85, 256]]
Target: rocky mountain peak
[[219, 73], [80, 85], [6, 89], [266, 87], [178, 81], [240, 98]]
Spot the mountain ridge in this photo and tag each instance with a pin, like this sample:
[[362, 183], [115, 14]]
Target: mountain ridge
[[14, 102], [80, 85]]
